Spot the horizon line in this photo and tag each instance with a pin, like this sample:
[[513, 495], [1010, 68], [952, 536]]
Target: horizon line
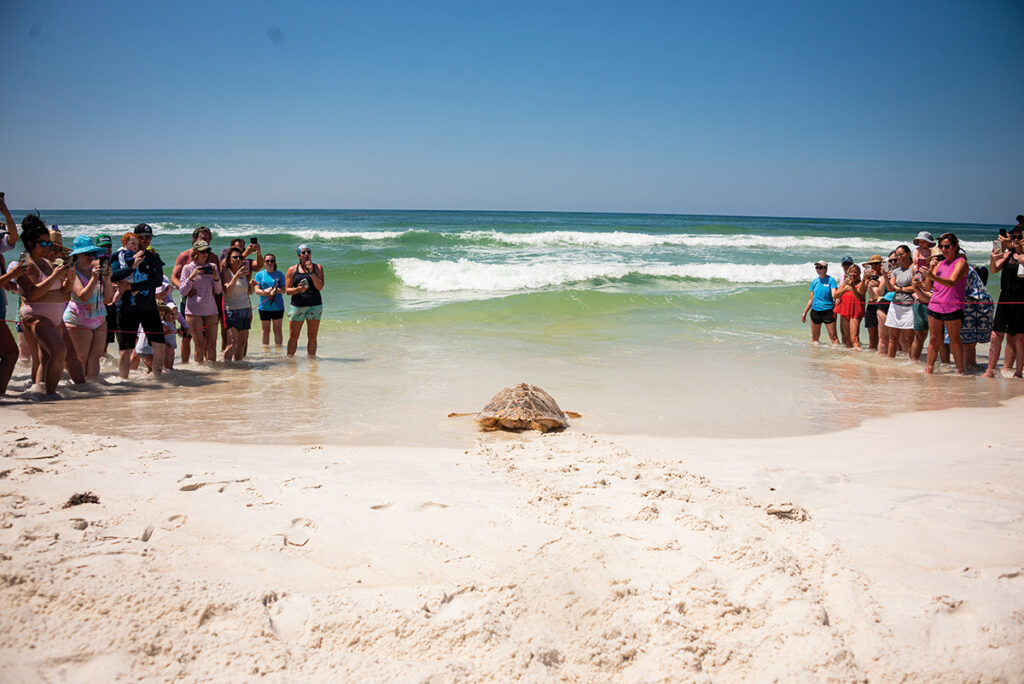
[[528, 211]]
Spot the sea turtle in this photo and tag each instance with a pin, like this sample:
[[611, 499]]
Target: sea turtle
[[522, 407]]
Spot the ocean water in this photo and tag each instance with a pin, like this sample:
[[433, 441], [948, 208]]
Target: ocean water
[[673, 325]]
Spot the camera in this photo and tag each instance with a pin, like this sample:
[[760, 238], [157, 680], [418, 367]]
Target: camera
[[253, 241]]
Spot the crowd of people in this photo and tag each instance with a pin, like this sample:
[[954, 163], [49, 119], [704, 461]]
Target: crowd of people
[[928, 293], [75, 302]]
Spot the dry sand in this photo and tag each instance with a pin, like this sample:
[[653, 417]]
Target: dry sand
[[888, 552]]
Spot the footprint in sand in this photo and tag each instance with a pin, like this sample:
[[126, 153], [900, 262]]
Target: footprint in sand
[[432, 506], [380, 507], [299, 532], [288, 617], [175, 521]]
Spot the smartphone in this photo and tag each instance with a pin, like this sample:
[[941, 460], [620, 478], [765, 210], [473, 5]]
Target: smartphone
[[22, 258], [2, 197], [253, 241], [997, 246]]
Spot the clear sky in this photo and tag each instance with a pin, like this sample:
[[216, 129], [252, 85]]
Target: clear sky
[[858, 109]]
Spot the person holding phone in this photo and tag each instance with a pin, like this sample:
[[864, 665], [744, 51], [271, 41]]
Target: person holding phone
[[8, 345], [269, 286], [303, 282], [200, 282], [86, 314], [45, 289], [238, 286], [947, 277], [1009, 320]]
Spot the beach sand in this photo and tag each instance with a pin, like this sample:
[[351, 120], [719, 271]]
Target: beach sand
[[888, 552]]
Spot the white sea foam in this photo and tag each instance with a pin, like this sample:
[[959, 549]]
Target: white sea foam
[[118, 229], [471, 276], [737, 241]]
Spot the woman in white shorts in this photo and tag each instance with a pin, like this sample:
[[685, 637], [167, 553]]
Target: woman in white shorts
[[901, 312]]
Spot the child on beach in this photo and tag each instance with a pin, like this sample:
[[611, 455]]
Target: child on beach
[[124, 256], [144, 351], [850, 306]]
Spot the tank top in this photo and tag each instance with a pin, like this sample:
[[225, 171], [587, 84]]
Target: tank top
[[1011, 286], [946, 299], [238, 297], [86, 312], [311, 297]]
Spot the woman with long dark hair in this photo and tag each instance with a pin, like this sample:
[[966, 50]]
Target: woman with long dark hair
[[46, 288]]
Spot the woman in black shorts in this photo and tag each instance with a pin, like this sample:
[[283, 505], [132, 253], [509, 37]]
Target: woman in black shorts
[[270, 286], [1009, 320]]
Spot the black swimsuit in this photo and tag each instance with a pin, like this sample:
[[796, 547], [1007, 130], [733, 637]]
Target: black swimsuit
[[308, 297]]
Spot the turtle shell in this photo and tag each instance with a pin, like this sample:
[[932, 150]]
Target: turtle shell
[[523, 407]]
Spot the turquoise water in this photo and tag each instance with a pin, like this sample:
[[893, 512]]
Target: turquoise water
[[646, 323]]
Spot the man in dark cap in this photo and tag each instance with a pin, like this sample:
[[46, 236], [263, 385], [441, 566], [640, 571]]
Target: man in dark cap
[[139, 279]]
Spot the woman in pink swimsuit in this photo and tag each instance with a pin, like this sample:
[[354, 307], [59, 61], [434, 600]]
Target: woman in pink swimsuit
[[86, 315], [946, 308], [45, 289]]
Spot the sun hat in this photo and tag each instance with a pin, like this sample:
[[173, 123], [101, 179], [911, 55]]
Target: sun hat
[[103, 240], [924, 236], [143, 229], [875, 259], [84, 245], [821, 263], [201, 246]]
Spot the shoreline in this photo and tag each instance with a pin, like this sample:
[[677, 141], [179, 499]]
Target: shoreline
[[519, 557]]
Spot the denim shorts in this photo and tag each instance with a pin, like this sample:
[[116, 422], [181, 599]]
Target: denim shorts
[[305, 313], [239, 319]]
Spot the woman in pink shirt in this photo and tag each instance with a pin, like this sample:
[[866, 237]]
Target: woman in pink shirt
[[200, 281], [946, 308]]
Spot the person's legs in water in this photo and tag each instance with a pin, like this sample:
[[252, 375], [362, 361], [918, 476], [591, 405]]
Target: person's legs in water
[[855, 332], [75, 368], [8, 357], [312, 327], [883, 334], [52, 352], [956, 347], [265, 324], [994, 347], [294, 329], [232, 346], [278, 333], [935, 331], [81, 341]]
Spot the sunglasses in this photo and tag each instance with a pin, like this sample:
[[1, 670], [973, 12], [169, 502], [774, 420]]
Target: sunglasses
[[235, 256], [893, 261], [306, 252], [819, 268], [45, 243], [945, 246], [269, 261]]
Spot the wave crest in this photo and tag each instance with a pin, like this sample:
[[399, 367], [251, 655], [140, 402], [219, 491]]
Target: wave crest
[[471, 276]]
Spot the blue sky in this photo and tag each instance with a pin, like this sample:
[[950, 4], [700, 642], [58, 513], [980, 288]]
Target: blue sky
[[898, 110]]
